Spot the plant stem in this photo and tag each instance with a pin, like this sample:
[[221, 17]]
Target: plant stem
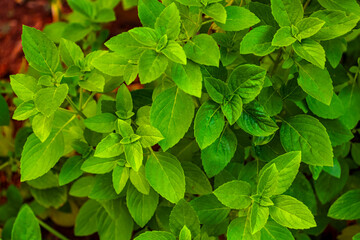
[[80, 98], [75, 107], [4, 165], [51, 230], [88, 100], [306, 4], [206, 22]]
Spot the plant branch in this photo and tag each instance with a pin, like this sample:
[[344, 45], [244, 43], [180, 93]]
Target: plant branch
[[306, 4], [88, 100], [51, 230], [4, 165], [73, 105]]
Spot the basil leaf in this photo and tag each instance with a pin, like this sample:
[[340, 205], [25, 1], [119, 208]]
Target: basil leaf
[[291, 213], [306, 134], [237, 18], [168, 108], [166, 176]]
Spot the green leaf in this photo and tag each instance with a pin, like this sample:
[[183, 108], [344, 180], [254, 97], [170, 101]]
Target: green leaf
[[102, 123], [316, 82], [71, 170], [247, 80], [311, 51], [26, 225], [120, 228], [174, 52], [258, 41], [103, 188], [306, 134], [238, 18], [172, 113], [82, 187], [110, 63], [188, 78], [168, 22], [95, 82], [334, 171], [138, 179], [338, 132], [208, 125], [166, 176], [85, 7], [239, 229], [151, 66], [274, 231], [196, 180], [232, 108], [148, 11], [255, 121], [42, 126], [328, 187], [203, 49], [288, 166], [48, 100], [234, 194], [86, 218], [120, 176], [334, 50], [308, 27], [332, 111], [216, 89], [134, 154], [209, 209], [144, 35], [350, 97], [24, 86], [216, 156], [268, 181], [71, 53], [158, 235], [46, 181], [346, 5], [271, 101], [124, 103], [287, 12], [22, 112], [185, 234], [183, 214], [51, 197], [283, 37], [141, 207], [98, 165], [40, 51], [258, 217], [216, 11], [109, 146], [149, 135], [39, 157], [337, 23], [127, 46], [291, 213], [124, 128], [346, 207]]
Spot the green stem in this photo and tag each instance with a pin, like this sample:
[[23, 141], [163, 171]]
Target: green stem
[[51, 230], [88, 100], [80, 98], [4, 165], [75, 107], [206, 22], [306, 4]]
